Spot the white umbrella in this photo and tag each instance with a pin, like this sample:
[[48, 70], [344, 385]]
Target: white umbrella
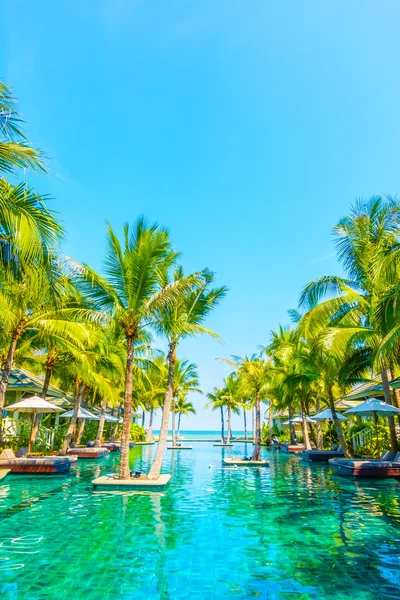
[[111, 419], [298, 419], [82, 414], [375, 407], [34, 405], [326, 415]]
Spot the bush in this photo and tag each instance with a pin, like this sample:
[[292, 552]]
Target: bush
[[137, 433]]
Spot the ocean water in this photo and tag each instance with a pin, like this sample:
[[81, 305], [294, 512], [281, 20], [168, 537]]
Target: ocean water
[[286, 532]]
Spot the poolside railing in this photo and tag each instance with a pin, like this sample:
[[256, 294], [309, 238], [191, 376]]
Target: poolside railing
[[361, 438]]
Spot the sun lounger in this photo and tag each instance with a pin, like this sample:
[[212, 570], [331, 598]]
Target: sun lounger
[[112, 446], [371, 469], [292, 448], [91, 452], [320, 455], [37, 465]]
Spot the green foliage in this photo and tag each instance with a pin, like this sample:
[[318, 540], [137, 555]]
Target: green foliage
[[90, 431], [138, 433], [367, 450]]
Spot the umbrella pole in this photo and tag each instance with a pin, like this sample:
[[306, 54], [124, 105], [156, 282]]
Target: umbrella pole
[[30, 435], [376, 431]]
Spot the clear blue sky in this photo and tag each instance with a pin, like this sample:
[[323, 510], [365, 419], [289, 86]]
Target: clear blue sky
[[246, 127]]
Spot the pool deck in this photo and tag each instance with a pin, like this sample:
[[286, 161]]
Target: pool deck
[[110, 482]]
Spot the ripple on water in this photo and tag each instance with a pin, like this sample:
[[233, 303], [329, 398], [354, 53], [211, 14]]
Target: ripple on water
[[287, 532]]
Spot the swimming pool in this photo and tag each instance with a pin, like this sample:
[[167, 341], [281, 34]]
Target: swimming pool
[[288, 532]]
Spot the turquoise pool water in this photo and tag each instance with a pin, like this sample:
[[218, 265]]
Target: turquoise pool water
[[288, 532]]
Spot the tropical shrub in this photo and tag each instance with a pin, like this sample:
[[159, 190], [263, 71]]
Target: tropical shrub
[[137, 433]]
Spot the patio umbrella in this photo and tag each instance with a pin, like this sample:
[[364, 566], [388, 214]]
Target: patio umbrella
[[326, 415], [82, 414], [298, 419], [34, 405], [376, 408]]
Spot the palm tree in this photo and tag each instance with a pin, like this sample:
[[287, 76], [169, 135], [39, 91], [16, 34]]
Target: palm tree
[[351, 308], [186, 380], [217, 403], [231, 399], [15, 152], [179, 320], [132, 292], [34, 304], [253, 373], [183, 407]]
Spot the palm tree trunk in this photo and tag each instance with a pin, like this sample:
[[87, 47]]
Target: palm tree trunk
[[38, 416], [304, 427], [179, 424], [291, 426], [338, 425], [97, 442], [256, 451], [162, 440], [253, 424], [245, 423], [173, 423], [115, 430], [79, 389], [5, 377], [320, 441], [270, 421], [228, 437], [222, 426], [149, 436], [80, 431], [124, 471], [396, 394], [392, 427]]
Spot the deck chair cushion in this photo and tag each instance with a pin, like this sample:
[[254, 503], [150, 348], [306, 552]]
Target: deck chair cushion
[[7, 454]]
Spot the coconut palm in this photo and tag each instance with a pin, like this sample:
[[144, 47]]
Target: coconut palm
[[217, 403], [231, 399], [179, 320], [186, 381], [350, 310], [35, 304], [183, 407], [254, 373], [15, 152], [132, 292]]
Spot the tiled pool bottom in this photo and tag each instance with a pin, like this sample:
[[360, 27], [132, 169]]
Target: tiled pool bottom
[[288, 532]]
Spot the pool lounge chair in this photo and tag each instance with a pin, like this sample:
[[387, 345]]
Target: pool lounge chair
[[292, 448], [37, 465], [90, 452], [321, 455], [371, 469]]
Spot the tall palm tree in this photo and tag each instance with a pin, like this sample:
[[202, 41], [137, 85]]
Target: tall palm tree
[[186, 380], [254, 373], [132, 292], [34, 304], [231, 399], [15, 152], [179, 320], [351, 308], [183, 407], [217, 403]]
